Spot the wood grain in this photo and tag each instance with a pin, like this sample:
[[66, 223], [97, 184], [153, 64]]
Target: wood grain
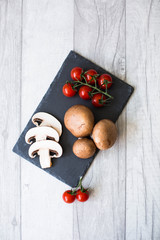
[[143, 128], [10, 81], [47, 39], [123, 37], [99, 34]]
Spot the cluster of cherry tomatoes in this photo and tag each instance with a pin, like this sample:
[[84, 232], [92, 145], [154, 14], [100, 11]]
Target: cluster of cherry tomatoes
[[91, 86], [70, 197], [80, 194]]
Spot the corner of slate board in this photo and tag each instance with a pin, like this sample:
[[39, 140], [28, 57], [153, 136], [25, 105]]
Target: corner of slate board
[[69, 168]]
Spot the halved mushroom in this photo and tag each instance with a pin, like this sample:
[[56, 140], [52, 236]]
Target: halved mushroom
[[46, 119], [46, 150], [41, 133]]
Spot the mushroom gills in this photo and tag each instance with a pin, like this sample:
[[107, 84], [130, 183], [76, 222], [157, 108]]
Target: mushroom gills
[[45, 149], [46, 119], [31, 140], [53, 153], [51, 138], [38, 121]]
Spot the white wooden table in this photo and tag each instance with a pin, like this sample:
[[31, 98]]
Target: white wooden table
[[123, 36]]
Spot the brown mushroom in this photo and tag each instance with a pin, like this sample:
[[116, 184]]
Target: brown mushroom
[[84, 148], [104, 134], [79, 120]]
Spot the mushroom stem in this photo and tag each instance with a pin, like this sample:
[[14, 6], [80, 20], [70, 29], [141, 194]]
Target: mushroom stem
[[44, 157]]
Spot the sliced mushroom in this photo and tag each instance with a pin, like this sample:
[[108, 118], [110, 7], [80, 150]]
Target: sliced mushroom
[[46, 150], [41, 133], [46, 119]]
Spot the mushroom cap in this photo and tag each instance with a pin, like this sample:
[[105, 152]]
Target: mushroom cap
[[79, 120], [104, 134], [42, 133], [53, 146], [46, 119], [84, 148]]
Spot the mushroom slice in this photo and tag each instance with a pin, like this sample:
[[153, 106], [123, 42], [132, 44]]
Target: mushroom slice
[[46, 119], [41, 133], [45, 150]]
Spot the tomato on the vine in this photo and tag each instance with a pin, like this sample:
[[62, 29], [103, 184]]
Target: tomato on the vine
[[68, 91], [98, 100], [82, 196], [76, 73], [84, 92], [68, 197], [104, 80], [90, 76]]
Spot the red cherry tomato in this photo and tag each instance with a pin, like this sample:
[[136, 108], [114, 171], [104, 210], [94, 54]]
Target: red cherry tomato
[[82, 196], [76, 73], [97, 100], [68, 90], [101, 81], [68, 197], [89, 75], [84, 92]]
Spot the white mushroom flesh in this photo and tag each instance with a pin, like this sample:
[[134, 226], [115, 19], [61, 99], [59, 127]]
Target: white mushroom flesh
[[46, 119], [44, 149], [41, 133], [44, 158]]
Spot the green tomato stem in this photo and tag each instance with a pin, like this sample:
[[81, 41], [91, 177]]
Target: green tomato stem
[[93, 87], [79, 185]]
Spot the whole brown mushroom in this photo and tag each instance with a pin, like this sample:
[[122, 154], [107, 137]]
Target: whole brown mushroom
[[104, 134], [84, 148], [79, 120]]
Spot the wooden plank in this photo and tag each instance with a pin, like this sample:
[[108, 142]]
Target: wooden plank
[[100, 36], [10, 80], [143, 116], [47, 39]]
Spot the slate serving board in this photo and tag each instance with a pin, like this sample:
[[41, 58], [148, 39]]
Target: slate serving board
[[69, 168]]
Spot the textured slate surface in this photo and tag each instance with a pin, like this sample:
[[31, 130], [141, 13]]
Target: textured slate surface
[[69, 168]]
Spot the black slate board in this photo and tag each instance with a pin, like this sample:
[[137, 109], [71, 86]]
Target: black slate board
[[69, 168]]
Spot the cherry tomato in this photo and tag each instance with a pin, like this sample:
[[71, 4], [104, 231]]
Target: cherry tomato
[[89, 75], [68, 90], [82, 196], [84, 92], [68, 197], [97, 100], [76, 73], [101, 81]]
